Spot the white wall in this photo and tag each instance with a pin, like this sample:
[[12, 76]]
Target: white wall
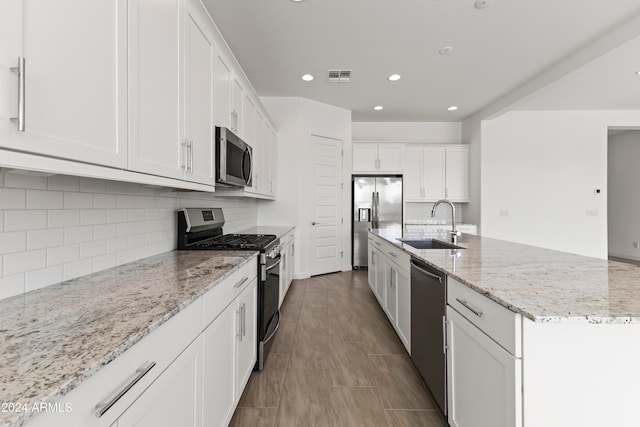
[[62, 227], [471, 134], [418, 132], [538, 175], [297, 119], [624, 194]]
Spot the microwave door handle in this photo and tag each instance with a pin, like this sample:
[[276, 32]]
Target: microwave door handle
[[247, 178], [223, 158]]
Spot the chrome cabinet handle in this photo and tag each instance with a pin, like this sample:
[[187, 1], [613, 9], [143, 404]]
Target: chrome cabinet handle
[[444, 335], [191, 155], [468, 307], [185, 144], [20, 69], [102, 407], [393, 254], [240, 282], [244, 319]]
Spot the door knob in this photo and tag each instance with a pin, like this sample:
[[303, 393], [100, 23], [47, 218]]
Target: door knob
[[315, 223]]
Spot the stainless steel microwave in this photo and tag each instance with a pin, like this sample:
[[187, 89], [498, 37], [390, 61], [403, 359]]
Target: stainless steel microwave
[[234, 159]]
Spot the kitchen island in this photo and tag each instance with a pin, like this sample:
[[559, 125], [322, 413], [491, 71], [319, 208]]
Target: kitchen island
[[575, 323], [57, 338]]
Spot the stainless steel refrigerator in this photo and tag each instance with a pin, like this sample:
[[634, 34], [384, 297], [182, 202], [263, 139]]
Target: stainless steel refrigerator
[[377, 203]]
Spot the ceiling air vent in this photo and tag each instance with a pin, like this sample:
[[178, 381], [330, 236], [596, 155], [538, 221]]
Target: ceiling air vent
[[339, 76]]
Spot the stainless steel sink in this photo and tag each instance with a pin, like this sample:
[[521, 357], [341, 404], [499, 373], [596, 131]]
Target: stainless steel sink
[[430, 244]]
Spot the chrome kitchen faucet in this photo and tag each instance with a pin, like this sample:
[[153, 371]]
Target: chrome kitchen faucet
[[454, 233]]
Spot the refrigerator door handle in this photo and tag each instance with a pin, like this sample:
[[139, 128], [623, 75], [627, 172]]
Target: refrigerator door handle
[[373, 210], [377, 204]]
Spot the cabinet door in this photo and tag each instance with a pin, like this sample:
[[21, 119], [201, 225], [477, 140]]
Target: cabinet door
[[403, 319], [433, 175], [457, 174], [248, 120], [391, 292], [172, 400], [219, 367], [390, 157], [222, 92], [258, 153], [365, 158], [273, 162], [372, 261], [155, 73], [75, 79], [199, 57], [237, 93], [247, 336], [412, 181], [484, 379]]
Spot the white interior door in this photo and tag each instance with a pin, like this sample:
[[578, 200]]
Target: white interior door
[[326, 205]]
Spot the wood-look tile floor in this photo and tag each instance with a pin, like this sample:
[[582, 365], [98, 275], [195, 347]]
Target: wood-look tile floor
[[336, 361]]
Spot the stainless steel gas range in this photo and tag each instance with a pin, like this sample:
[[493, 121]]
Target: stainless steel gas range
[[201, 229]]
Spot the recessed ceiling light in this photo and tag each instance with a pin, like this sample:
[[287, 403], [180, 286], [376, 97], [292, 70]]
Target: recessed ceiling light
[[638, 72], [481, 4], [452, 108], [445, 50], [378, 107], [307, 77], [297, 1], [394, 77]]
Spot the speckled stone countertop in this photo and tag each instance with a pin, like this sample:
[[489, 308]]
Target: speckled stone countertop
[[56, 337], [541, 284]]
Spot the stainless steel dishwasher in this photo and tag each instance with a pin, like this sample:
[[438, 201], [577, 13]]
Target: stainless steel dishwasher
[[428, 301]]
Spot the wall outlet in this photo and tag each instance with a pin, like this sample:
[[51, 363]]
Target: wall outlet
[[636, 245], [503, 212]]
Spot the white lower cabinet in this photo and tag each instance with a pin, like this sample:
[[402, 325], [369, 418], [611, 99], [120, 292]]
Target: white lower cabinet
[[484, 380], [286, 263], [172, 400], [390, 281]]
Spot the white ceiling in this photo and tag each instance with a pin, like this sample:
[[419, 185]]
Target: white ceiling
[[496, 49]]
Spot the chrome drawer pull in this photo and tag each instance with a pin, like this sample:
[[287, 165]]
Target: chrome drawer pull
[[240, 283], [103, 407], [471, 309], [20, 69]]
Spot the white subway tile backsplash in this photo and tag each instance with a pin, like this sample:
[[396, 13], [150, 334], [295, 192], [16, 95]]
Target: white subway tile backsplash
[[104, 262], [135, 215], [12, 242], [126, 256], [78, 234], [63, 218], [11, 198], [93, 249], [11, 285], [104, 201], [46, 238], [77, 269], [64, 183], [63, 254], [37, 279], [116, 215], [135, 241], [63, 227], [106, 231], [117, 244], [74, 200], [90, 185], [42, 199], [125, 201], [25, 220], [24, 261], [93, 216], [12, 180]]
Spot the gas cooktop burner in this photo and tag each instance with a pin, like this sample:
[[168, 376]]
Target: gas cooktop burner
[[237, 241]]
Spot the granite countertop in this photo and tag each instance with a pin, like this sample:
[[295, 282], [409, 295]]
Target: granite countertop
[[56, 337], [278, 230], [541, 284]]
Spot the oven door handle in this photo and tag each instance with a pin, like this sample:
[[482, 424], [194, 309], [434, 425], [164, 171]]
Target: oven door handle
[[267, 339], [272, 266]]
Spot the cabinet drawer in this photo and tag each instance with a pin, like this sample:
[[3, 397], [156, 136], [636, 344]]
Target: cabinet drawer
[[227, 290], [501, 324], [394, 253], [162, 346]]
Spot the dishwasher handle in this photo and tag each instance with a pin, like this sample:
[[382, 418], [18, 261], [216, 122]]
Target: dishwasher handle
[[422, 270]]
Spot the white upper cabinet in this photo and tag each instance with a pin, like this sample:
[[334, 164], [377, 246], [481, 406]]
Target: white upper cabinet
[[237, 93], [377, 158], [433, 173], [74, 79], [155, 76], [199, 130], [457, 173], [222, 90]]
